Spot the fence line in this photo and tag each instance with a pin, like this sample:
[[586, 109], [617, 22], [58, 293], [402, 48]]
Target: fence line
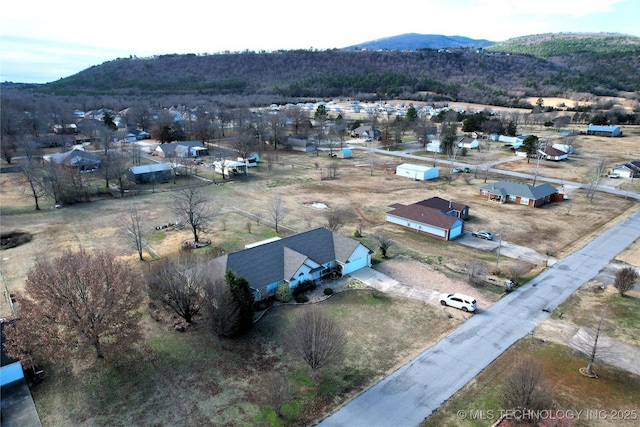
[[261, 220]]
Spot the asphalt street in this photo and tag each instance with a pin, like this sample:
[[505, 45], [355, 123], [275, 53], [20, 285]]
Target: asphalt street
[[413, 392]]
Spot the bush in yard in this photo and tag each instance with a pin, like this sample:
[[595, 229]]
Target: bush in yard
[[328, 291], [303, 287], [302, 298], [283, 293]]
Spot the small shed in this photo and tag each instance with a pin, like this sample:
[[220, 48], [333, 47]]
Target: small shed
[[417, 172], [345, 153], [156, 172]]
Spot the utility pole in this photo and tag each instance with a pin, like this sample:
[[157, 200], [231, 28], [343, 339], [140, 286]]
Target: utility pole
[[498, 252]]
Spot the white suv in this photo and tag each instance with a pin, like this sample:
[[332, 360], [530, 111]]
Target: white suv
[[461, 301]]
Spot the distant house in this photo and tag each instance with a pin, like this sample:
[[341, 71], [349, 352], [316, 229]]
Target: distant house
[[300, 143], [76, 158], [567, 148], [156, 172], [421, 217], [367, 132], [628, 170], [551, 153], [416, 172], [468, 143], [434, 146], [230, 167], [507, 191], [513, 141], [181, 149], [598, 130], [55, 140], [307, 256]]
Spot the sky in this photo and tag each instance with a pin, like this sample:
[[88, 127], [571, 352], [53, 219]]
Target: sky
[[42, 40]]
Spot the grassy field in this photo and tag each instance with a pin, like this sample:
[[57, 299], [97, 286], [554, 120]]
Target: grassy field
[[184, 379], [614, 393]]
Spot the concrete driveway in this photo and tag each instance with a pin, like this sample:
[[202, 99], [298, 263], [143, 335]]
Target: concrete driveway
[[413, 392], [386, 284], [507, 249]]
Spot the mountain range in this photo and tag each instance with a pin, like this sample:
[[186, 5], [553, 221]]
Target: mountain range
[[414, 41]]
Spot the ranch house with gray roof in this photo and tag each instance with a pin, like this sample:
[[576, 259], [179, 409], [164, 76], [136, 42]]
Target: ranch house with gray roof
[[307, 256], [507, 191]]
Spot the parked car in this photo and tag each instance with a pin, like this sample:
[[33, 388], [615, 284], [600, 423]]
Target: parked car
[[614, 175], [483, 234], [460, 301], [467, 170], [456, 170]]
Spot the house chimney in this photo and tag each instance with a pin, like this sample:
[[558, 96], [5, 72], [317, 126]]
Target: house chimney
[[450, 206]]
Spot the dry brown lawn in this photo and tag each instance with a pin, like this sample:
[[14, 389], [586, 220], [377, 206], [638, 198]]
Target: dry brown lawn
[[555, 229]]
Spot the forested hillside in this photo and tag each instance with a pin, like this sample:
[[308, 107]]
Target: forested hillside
[[603, 64], [545, 65]]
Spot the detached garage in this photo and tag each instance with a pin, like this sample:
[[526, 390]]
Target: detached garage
[[417, 172]]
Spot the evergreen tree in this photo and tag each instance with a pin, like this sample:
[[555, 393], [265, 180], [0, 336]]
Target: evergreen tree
[[243, 296]]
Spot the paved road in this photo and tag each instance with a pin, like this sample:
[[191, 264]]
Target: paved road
[[414, 391]]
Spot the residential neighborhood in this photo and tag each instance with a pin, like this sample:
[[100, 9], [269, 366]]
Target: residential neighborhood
[[373, 224]]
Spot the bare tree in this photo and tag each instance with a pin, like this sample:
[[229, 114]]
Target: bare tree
[[134, 229], [372, 160], [299, 118], [384, 242], [245, 144], [625, 279], [336, 219], [193, 207], [277, 211], [317, 338], [8, 148], [179, 284], [32, 173], [277, 126], [476, 271], [597, 171], [136, 154], [515, 272], [276, 390], [588, 342], [140, 115], [524, 388], [360, 222], [92, 306]]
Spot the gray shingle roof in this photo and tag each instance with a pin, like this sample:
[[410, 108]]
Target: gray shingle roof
[[522, 189], [278, 260]]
